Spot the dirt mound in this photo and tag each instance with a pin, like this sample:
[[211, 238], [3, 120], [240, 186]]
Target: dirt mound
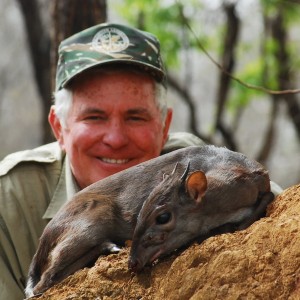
[[261, 262]]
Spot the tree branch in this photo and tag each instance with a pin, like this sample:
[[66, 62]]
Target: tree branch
[[187, 98]]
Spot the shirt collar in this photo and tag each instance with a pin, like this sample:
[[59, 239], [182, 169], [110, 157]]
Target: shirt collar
[[65, 190]]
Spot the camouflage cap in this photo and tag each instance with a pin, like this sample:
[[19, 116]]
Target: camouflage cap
[[105, 44]]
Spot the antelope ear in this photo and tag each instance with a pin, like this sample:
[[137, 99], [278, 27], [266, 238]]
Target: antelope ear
[[196, 185]]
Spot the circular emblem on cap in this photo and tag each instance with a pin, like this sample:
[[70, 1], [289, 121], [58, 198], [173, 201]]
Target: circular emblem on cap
[[110, 40]]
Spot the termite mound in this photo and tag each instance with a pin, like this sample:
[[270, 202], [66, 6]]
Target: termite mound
[[260, 262]]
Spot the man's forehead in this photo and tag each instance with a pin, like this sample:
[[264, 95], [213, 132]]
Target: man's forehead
[[106, 73], [105, 106]]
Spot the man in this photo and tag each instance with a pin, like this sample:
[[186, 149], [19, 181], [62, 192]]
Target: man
[[110, 113]]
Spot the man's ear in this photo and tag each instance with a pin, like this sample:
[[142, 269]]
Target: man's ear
[[56, 126], [168, 121]]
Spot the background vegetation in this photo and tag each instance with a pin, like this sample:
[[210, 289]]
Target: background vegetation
[[233, 69]]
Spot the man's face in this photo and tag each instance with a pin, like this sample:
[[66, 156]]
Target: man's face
[[113, 124]]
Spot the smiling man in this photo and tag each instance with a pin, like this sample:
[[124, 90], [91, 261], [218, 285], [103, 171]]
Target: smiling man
[[109, 113], [114, 123]]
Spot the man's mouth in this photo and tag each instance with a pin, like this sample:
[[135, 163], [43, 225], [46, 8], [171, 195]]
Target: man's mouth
[[114, 161]]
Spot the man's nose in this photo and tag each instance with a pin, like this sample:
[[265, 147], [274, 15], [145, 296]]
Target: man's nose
[[116, 135]]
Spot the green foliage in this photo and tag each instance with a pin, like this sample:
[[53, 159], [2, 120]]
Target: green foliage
[[264, 71], [259, 72], [165, 20], [241, 95], [289, 8]]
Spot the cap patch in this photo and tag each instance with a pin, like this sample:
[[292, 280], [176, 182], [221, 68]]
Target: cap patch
[[110, 40]]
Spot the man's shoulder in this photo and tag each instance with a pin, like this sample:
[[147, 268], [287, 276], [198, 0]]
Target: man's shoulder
[[178, 140], [48, 153]]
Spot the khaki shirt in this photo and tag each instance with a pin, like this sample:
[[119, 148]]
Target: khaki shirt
[[34, 184]]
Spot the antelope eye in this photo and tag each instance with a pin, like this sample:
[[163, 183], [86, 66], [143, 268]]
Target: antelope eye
[[163, 218]]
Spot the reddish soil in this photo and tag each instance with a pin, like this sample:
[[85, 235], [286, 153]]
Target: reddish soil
[[261, 262]]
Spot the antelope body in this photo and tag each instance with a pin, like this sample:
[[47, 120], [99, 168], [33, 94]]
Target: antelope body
[[161, 204]]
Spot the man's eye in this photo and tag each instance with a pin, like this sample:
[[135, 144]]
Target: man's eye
[[94, 118], [137, 119]]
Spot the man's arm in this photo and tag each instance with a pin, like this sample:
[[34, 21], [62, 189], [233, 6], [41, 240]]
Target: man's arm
[[26, 188]]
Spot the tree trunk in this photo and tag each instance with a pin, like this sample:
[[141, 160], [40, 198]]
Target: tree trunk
[[72, 16], [39, 49], [269, 137], [228, 63], [285, 77], [68, 17]]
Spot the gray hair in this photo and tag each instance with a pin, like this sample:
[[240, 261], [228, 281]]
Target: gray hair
[[63, 101]]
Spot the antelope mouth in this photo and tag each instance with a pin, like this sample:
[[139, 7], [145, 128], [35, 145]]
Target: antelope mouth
[[156, 256]]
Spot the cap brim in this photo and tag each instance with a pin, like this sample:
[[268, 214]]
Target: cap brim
[[156, 73]]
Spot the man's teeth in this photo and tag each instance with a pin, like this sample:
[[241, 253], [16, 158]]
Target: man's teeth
[[114, 161]]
